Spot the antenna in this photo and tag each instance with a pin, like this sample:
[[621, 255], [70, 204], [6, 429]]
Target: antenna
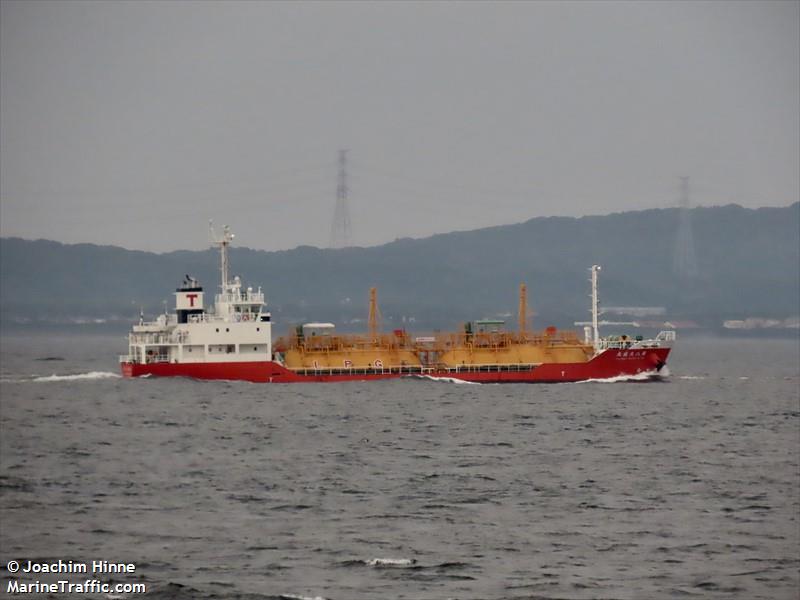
[[595, 302], [223, 243], [684, 263], [340, 227]]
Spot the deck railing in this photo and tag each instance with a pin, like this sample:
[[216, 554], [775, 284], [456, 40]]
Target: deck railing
[[664, 338], [152, 358], [417, 370], [245, 298], [231, 318], [152, 339], [407, 370], [438, 342]]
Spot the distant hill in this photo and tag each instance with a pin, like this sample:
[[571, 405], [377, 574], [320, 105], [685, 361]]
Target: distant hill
[[748, 263]]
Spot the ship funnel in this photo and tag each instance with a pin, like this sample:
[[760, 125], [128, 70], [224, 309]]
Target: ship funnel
[[188, 299]]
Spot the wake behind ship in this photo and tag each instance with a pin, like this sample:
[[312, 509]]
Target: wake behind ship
[[233, 340]]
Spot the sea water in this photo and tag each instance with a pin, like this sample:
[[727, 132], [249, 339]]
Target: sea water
[[414, 489]]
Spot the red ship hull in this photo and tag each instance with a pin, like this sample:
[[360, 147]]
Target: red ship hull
[[609, 364]]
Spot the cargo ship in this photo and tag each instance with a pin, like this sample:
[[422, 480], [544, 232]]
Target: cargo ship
[[232, 340]]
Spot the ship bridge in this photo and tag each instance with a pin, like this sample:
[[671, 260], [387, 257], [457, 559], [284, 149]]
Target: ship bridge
[[233, 303], [236, 304]]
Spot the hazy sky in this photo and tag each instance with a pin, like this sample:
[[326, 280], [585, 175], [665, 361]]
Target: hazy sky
[[134, 123]]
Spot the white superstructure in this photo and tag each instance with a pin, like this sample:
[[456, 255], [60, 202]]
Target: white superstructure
[[236, 329]]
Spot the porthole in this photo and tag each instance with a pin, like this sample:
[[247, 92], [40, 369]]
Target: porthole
[[226, 329], [217, 329]]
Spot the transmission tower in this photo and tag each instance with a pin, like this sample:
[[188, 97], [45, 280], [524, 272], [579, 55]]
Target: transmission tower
[[340, 227], [684, 263]]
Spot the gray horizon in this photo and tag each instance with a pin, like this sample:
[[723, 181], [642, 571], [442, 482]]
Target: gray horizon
[[133, 124]]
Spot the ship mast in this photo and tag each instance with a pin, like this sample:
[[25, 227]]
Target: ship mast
[[374, 314], [595, 333], [523, 309], [223, 243]]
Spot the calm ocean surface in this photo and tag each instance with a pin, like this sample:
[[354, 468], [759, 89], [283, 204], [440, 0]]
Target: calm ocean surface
[[688, 488]]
